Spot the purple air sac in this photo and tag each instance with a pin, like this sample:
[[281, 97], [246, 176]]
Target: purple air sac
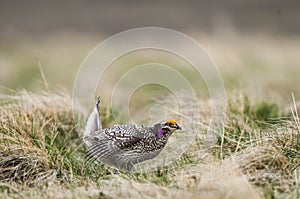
[[160, 133]]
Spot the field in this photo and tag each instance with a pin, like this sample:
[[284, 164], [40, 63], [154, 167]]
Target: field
[[42, 155], [254, 153]]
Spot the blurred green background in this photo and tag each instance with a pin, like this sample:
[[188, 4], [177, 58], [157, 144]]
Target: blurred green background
[[255, 44]]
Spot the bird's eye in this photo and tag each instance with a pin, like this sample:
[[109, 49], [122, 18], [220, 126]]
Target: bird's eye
[[173, 125]]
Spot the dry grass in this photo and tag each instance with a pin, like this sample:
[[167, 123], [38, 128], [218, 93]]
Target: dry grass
[[42, 154], [32, 149], [265, 144]]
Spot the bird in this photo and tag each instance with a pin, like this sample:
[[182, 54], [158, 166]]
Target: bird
[[123, 146]]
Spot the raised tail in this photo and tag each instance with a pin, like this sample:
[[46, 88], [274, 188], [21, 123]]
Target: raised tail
[[93, 123]]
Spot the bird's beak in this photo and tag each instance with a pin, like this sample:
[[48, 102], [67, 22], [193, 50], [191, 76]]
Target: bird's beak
[[179, 127]]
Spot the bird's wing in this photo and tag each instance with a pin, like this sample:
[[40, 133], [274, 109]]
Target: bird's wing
[[108, 142], [126, 136]]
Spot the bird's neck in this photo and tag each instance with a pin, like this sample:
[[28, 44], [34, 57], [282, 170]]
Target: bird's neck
[[161, 132]]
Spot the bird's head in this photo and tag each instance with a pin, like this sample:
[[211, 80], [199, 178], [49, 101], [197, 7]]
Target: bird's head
[[168, 126]]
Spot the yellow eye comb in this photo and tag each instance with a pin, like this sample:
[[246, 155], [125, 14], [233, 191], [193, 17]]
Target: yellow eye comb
[[173, 122]]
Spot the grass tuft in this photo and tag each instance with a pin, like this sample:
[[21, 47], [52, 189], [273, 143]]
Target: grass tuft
[[40, 139]]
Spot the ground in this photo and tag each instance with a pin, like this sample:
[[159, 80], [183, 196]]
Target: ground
[[255, 155]]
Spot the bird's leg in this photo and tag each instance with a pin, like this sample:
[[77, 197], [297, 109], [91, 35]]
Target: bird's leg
[[99, 124]]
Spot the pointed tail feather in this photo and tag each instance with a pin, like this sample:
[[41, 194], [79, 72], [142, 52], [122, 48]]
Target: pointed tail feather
[[93, 123]]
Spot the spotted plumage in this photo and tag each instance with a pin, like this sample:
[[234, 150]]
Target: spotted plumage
[[122, 146]]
